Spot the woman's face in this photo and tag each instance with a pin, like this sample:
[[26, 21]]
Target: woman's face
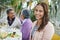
[[39, 12], [22, 16]]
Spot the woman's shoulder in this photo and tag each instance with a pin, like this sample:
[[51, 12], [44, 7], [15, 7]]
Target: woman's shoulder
[[34, 23], [49, 26]]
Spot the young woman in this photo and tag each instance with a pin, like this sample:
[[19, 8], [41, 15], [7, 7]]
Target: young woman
[[42, 29]]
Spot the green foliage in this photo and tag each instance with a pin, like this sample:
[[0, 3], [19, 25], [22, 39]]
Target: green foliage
[[32, 16]]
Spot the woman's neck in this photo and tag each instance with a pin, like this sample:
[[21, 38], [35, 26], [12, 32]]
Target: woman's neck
[[39, 22]]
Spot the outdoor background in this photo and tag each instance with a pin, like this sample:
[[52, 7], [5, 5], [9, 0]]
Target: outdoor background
[[18, 5]]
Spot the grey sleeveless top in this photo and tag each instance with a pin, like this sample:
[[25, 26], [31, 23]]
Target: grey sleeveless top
[[33, 30]]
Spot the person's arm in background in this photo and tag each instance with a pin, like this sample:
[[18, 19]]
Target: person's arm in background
[[48, 32], [19, 23]]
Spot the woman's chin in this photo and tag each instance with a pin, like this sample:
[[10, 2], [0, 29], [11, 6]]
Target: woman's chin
[[38, 18]]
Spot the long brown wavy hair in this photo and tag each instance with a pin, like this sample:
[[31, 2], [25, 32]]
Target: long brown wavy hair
[[45, 18]]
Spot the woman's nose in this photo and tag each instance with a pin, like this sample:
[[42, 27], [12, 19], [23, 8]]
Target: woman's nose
[[37, 12]]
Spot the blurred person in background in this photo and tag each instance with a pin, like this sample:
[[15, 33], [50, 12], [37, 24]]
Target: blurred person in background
[[26, 24], [11, 20]]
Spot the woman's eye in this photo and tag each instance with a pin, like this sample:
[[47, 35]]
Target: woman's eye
[[40, 11], [36, 10]]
